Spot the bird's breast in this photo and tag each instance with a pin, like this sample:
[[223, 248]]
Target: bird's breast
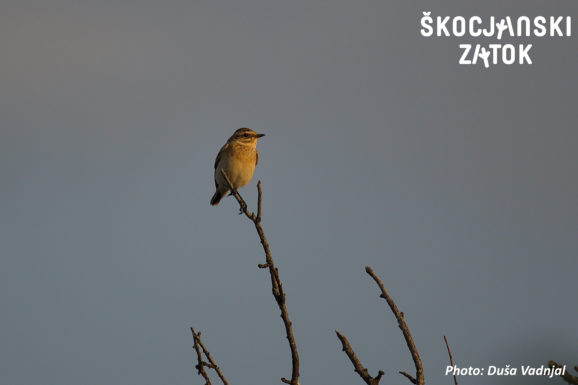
[[239, 165]]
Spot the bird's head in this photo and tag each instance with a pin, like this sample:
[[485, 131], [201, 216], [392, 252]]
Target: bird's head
[[245, 136]]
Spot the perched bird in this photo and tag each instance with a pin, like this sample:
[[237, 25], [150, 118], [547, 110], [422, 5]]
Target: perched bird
[[238, 157]]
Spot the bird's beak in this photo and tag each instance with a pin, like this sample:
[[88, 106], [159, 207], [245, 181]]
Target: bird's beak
[[260, 135]]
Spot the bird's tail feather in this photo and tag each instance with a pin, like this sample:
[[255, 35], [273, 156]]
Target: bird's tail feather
[[217, 197]]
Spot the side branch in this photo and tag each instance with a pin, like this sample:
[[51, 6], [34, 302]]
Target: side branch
[[359, 368], [201, 364], [418, 380], [276, 285], [573, 380]]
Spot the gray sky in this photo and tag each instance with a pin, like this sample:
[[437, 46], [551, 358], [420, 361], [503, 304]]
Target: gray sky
[[457, 184]]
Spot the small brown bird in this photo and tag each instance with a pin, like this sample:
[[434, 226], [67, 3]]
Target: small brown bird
[[238, 157]]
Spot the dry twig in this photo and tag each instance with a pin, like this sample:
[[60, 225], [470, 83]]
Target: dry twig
[[418, 380], [359, 368], [276, 285], [451, 359], [565, 376], [201, 364]]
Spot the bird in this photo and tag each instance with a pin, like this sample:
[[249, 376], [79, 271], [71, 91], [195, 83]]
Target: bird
[[238, 157]]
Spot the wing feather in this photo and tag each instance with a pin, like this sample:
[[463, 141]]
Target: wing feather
[[218, 159]]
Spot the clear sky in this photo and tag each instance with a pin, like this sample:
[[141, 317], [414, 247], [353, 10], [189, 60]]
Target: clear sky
[[457, 184]]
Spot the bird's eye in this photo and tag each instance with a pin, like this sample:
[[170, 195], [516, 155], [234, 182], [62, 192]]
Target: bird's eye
[[246, 135]]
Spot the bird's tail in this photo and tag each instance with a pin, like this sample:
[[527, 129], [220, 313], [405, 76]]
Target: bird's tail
[[217, 197]]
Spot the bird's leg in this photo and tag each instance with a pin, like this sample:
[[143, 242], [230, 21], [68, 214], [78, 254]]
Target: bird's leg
[[241, 203]]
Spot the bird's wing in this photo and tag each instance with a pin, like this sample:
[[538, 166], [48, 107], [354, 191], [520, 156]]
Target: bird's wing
[[219, 154]]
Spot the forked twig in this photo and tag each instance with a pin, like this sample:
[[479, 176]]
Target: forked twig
[[359, 368], [276, 285], [419, 379], [201, 364]]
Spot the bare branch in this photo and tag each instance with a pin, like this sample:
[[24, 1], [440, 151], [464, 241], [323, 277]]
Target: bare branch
[[276, 285], [419, 380], [451, 359], [198, 345], [565, 376], [259, 194], [200, 366], [358, 367], [409, 376]]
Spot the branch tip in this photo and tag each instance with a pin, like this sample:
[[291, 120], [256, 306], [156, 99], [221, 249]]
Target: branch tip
[[409, 377], [451, 359], [570, 379]]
